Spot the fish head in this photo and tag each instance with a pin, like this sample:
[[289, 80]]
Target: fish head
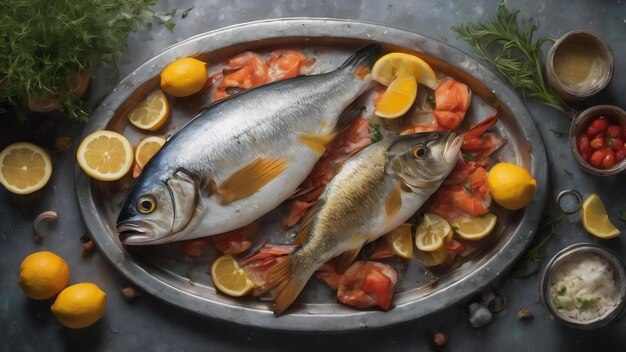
[[424, 160], [157, 209]]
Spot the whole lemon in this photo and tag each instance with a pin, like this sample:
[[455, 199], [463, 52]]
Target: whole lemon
[[511, 186], [43, 275], [184, 77], [79, 306]]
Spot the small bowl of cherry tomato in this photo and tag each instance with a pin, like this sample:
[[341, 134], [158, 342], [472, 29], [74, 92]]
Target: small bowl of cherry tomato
[[598, 137]]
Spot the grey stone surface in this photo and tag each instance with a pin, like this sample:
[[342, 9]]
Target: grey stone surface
[[148, 324]]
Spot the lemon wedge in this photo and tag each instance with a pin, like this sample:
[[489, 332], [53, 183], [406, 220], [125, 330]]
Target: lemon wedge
[[229, 278], [152, 113], [401, 241], [595, 219], [432, 232], [24, 168], [475, 228], [398, 98], [387, 68], [105, 155], [147, 148]]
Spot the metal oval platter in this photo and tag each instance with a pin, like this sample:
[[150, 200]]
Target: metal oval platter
[[168, 274]]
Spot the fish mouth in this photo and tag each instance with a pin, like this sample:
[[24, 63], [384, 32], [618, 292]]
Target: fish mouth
[[452, 148], [135, 233]]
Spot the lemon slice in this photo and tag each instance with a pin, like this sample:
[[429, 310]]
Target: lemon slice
[[229, 278], [432, 232], [401, 241], [147, 148], [386, 69], [151, 113], [595, 219], [434, 258], [24, 168], [475, 228], [398, 98], [105, 155]]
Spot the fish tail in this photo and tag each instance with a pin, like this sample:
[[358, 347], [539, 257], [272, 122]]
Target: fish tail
[[364, 57], [293, 277]]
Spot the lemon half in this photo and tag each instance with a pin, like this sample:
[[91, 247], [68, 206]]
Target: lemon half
[[229, 278]]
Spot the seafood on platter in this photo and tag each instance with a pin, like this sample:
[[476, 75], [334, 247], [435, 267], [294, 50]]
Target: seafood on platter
[[346, 176]]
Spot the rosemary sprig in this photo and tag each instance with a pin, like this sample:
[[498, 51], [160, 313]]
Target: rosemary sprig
[[508, 46]]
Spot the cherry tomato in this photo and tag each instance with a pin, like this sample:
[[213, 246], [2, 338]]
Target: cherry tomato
[[583, 143], [598, 125], [614, 131], [609, 159], [615, 143], [619, 155], [596, 158], [598, 142]]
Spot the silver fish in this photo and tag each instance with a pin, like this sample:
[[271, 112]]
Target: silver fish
[[242, 157], [376, 191]]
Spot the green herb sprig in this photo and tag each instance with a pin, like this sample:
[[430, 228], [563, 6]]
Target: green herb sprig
[[547, 229], [45, 44], [508, 46]]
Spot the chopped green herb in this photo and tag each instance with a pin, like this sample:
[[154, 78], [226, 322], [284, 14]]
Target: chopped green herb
[[559, 134], [469, 157], [468, 187], [430, 100], [562, 290], [375, 132], [186, 12], [585, 304], [46, 44], [509, 47], [558, 304]]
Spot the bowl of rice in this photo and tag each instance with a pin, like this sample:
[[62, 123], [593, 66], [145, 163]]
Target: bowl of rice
[[584, 286]]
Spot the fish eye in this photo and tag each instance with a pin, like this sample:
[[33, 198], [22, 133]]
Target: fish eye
[[146, 204], [419, 151], [435, 136]]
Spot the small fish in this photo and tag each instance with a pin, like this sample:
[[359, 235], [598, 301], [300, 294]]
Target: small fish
[[376, 190], [242, 157]]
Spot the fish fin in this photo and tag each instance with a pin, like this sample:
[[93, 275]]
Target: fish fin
[[250, 179], [348, 116], [366, 56], [283, 273], [305, 229], [393, 202], [317, 143], [346, 259]]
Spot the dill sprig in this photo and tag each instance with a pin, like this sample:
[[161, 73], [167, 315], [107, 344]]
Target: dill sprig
[[547, 229], [45, 44], [508, 46]]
